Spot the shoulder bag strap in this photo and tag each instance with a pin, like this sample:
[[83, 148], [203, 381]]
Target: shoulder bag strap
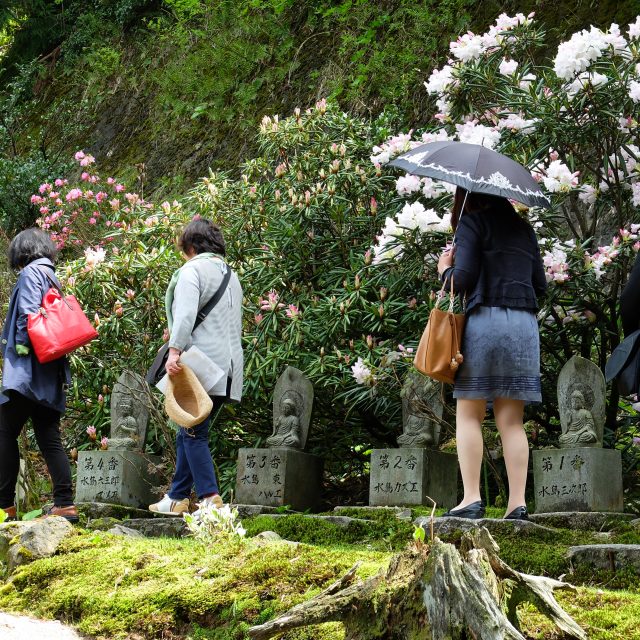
[[202, 314]]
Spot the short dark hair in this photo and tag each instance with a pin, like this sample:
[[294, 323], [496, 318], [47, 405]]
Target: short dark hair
[[29, 245], [202, 236], [476, 202]]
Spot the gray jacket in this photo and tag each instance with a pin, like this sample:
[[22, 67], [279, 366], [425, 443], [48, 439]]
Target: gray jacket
[[219, 336]]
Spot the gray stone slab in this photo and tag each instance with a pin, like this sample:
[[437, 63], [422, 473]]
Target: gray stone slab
[[448, 526], [121, 530], [581, 479], [587, 521], [611, 557], [118, 477], [162, 527], [249, 510], [279, 477], [411, 475], [97, 510]]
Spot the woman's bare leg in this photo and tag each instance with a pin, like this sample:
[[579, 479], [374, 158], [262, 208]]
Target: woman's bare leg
[[515, 446], [469, 417]]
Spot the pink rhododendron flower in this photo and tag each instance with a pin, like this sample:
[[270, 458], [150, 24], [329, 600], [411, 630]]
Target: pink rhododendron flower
[[74, 194], [104, 443], [119, 188], [87, 160], [92, 221], [91, 432], [79, 155], [292, 311]]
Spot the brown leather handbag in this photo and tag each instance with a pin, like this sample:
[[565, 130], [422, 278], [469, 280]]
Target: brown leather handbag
[[438, 355]]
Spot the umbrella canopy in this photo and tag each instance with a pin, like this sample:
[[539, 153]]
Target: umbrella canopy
[[474, 168]]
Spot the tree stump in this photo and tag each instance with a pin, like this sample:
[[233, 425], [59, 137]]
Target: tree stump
[[432, 592]]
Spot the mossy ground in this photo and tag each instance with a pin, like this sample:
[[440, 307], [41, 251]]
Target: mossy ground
[[118, 588]]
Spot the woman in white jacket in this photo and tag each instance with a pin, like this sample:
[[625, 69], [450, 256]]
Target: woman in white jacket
[[219, 337]]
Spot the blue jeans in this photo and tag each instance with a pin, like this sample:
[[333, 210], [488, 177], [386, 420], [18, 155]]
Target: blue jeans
[[194, 464]]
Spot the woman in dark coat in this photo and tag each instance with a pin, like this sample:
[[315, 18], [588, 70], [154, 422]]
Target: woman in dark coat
[[496, 264], [30, 389]]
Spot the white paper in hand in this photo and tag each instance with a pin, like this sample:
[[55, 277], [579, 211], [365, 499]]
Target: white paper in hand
[[206, 370]]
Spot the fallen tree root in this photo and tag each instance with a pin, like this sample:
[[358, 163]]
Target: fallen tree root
[[432, 592]]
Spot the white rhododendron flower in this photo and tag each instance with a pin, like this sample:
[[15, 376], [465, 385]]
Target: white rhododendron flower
[[362, 373], [634, 29], [559, 178], [467, 47], [526, 80], [634, 91], [578, 53], [440, 135], [585, 80], [555, 262], [588, 195], [407, 184], [94, 257], [474, 133], [440, 80], [635, 190], [507, 67], [516, 122]]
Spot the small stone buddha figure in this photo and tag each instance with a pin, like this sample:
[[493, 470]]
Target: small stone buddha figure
[[418, 429], [581, 429], [124, 433], [286, 430]]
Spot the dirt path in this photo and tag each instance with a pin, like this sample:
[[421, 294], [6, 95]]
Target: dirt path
[[23, 628]]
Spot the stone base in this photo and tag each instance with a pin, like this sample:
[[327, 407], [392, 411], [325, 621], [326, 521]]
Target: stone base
[[580, 479], [117, 477], [410, 476], [279, 477]]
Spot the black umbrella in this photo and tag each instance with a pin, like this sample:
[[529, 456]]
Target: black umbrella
[[474, 168]]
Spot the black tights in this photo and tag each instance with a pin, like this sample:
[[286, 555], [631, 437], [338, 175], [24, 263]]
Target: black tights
[[46, 425]]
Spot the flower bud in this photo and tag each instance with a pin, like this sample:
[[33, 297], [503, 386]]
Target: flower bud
[[383, 293], [381, 311], [356, 282], [370, 342]]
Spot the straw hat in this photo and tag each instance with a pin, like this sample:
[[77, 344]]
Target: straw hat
[[186, 402]]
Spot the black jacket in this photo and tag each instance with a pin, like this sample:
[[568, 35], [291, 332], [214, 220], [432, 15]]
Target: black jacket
[[497, 261], [630, 301]]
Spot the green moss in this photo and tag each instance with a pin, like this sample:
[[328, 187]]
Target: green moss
[[377, 530], [113, 587]]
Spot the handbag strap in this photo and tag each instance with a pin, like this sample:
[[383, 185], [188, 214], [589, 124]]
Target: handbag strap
[[204, 312]]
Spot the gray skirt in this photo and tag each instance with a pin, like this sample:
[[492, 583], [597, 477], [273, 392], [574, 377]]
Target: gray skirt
[[501, 349]]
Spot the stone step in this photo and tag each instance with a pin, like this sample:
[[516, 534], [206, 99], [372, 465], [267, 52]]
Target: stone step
[[582, 520], [611, 557], [339, 521], [450, 525]]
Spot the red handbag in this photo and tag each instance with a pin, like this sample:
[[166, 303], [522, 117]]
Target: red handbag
[[59, 326]]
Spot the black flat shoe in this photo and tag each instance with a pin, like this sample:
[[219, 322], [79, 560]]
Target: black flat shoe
[[473, 511], [519, 513]]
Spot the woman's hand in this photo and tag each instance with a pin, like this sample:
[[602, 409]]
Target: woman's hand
[[445, 261], [173, 366]]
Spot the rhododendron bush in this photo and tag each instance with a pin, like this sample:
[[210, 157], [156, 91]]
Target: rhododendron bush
[[574, 123]]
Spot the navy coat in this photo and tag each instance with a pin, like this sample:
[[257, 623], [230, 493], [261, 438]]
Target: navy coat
[[43, 383]]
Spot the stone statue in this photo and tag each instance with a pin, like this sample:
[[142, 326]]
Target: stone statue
[[286, 432], [422, 409], [292, 404], [129, 413], [581, 430], [581, 403]]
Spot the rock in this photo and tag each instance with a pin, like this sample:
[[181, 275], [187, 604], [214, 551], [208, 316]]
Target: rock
[[21, 627], [167, 527], [581, 520], [120, 530], [23, 542], [248, 510], [102, 524], [448, 526], [611, 557], [268, 535], [105, 510]]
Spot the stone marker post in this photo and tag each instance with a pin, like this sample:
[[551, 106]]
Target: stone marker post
[[123, 474], [283, 474], [581, 475], [417, 471]]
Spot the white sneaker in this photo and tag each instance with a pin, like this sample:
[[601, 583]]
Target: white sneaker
[[170, 507], [213, 501]]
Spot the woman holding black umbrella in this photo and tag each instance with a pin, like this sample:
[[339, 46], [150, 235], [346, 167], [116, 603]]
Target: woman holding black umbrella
[[496, 265]]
